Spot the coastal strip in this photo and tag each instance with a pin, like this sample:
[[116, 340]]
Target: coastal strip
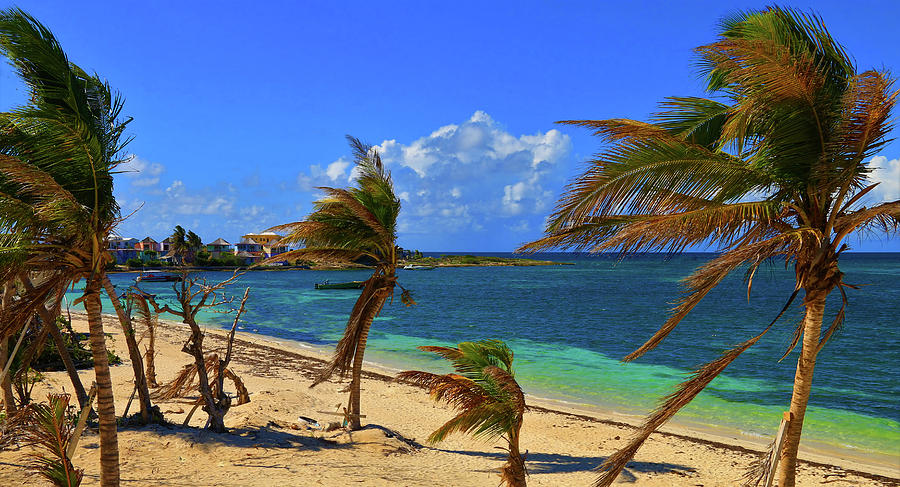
[[267, 446]]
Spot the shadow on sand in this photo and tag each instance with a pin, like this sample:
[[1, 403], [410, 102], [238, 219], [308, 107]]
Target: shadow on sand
[[556, 463]]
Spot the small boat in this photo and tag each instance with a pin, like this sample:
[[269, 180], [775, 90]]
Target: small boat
[[340, 285], [417, 267], [159, 276]]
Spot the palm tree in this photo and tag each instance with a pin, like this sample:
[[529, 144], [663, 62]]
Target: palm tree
[[345, 225], [485, 392], [773, 169], [194, 244], [179, 245], [57, 156]]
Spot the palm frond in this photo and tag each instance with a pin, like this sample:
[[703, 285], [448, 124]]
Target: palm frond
[[707, 277]]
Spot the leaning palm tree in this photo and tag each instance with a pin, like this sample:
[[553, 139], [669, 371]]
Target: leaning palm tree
[[57, 209], [485, 392], [775, 168], [346, 225]]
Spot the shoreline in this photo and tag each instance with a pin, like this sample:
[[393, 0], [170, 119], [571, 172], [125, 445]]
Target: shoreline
[[267, 444], [817, 455]]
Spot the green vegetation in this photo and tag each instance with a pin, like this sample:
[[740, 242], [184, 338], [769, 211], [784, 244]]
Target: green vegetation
[[58, 153], [485, 393]]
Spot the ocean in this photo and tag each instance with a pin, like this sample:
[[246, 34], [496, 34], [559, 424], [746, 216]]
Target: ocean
[[569, 326]]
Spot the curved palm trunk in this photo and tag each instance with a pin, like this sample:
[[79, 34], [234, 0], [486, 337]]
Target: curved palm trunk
[[513, 473], [354, 420], [106, 406], [67, 361], [134, 353], [812, 327]]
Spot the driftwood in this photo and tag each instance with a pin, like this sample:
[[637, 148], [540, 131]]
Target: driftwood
[[193, 294]]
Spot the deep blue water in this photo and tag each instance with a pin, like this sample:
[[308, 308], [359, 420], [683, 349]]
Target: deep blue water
[[569, 325]]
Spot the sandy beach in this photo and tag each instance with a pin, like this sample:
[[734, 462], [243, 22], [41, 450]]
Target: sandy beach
[[267, 445]]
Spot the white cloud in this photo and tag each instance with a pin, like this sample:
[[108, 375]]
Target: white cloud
[[142, 173], [467, 177], [887, 174], [337, 169], [463, 176]]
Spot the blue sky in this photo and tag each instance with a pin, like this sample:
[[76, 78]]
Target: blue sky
[[240, 111]]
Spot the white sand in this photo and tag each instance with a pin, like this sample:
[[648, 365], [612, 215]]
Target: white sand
[[264, 449]]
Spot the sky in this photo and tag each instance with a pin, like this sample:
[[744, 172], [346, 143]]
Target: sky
[[240, 110]]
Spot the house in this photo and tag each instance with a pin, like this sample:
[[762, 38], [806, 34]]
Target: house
[[148, 249], [123, 249], [248, 245], [166, 245], [270, 242], [218, 247], [147, 244]]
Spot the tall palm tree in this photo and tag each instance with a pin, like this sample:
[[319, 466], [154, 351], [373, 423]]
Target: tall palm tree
[[57, 156], [775, 168], [345, 225], [485, 392]]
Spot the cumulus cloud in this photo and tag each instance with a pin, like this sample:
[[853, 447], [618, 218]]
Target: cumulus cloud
[[462, 177], [887, 174]]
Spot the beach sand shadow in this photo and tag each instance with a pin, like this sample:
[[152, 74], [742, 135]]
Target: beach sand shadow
[[270, 436], [557, 463]]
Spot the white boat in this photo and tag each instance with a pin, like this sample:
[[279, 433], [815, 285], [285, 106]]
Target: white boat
[[416, 267]]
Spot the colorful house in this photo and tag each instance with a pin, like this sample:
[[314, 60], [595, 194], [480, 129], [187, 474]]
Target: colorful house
[[218, 247]]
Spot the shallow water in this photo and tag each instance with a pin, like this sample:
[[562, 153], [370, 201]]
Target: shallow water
[[570, 325]]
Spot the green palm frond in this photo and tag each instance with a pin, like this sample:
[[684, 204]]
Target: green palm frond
[[360, 219], [484, 389]]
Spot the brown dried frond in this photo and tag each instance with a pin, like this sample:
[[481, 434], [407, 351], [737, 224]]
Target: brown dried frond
[[617, 129], [768, 70], [723, 224], [372, 298], [457, 391], [186, 384], [685, 393], [885, 214], [707, 277], [865, 115]]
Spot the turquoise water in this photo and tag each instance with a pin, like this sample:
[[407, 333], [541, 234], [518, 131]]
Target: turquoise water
[[570, 325]]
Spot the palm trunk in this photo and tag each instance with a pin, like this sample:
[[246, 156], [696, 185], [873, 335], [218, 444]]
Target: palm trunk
[[106, 406], [149, 355], [9, 401], [513, 473], [355, 421], [134, 353], [5, 383], [812, 327], [66, 358]]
